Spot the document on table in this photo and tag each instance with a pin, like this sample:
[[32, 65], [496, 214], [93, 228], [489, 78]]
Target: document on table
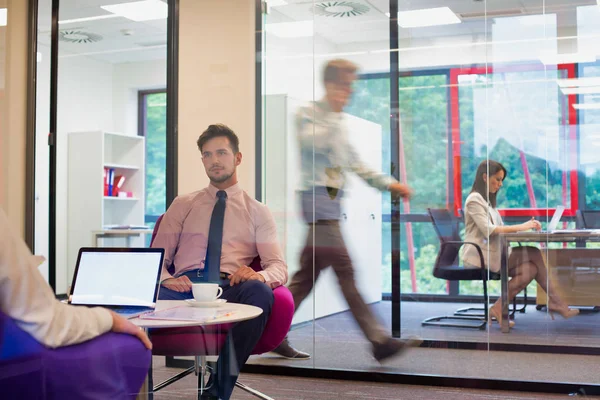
[[591, 231], [186, 314]]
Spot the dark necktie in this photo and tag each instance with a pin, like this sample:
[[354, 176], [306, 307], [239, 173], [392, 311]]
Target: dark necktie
[[212, 263]]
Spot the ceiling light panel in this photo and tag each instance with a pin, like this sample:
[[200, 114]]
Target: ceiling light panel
[[588, 106], [570, 58], [3, 16], [581, 90], [578, 82], [75, 20], [427, 17], [291, 29], [138, 11]]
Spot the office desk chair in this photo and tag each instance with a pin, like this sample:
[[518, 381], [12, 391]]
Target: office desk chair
[[447, 266], [588, 219], [113, 365], [200, 342], [446, 228]]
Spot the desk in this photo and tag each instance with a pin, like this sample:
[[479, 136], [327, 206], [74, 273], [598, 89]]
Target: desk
[[539, 237], [125, 233], [240, 312]]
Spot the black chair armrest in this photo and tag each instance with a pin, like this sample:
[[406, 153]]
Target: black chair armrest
[[461, 243]]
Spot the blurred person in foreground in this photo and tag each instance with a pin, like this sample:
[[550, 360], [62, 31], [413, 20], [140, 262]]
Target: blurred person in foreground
[[27, 299], [326, 156]]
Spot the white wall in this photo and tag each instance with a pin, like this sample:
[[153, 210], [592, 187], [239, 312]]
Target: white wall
[[84, 104], [92, 95], [292, 69], [216, 83], [128, 79]]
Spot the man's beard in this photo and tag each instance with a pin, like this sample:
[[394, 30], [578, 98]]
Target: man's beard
[[220, 179]]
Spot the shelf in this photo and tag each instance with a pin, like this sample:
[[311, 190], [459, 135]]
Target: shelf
[[123, 135], [121, 198], [121, 166]]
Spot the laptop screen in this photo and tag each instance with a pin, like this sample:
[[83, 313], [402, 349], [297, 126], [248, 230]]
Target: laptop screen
[[553, 224], [117, 277]]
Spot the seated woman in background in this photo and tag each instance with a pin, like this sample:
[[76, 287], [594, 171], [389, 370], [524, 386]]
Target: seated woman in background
[[483, 225]]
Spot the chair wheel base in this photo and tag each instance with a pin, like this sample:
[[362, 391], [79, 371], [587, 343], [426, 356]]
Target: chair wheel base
[[470, 312], [438, 321]]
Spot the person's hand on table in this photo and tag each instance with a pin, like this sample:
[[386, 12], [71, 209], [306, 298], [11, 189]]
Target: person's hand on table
[[532, 224], [122, 325], [243, 274], [183, 284]]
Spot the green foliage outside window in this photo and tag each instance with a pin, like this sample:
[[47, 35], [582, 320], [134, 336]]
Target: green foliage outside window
[[156, 152], [425, 125]]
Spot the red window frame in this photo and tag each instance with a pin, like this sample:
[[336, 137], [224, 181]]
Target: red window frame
[[456, 140]]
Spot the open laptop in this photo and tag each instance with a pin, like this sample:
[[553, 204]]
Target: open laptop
[[555, 220], [125, 280]]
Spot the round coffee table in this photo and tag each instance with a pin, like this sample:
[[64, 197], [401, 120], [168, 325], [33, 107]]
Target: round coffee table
[[235, 313]]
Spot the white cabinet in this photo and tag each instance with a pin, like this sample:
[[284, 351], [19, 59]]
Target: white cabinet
[[89, 210], [361, 206]]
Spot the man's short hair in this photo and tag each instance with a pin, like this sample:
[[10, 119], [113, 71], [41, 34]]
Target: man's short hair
[[219, 130], [335, 68]]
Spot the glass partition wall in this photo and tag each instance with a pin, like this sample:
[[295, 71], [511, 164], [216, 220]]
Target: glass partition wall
[[110, 137], [479, 81]]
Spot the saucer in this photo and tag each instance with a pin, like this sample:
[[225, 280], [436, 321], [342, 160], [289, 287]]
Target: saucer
[[212, 303]]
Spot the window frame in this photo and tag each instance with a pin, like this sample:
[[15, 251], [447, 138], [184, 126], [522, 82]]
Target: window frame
[[142, 129], [572, 119]]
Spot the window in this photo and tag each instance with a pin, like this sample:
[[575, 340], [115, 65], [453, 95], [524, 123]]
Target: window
[[424, 132], [153, 125], [498, 116]]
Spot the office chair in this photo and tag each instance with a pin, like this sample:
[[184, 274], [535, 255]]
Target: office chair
[[449, 231], [588, 219], [447, 266], [201, 342]]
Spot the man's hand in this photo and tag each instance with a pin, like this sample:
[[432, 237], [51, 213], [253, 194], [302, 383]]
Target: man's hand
[[243, 274], [181, 284], [121, 325], [400, 190]]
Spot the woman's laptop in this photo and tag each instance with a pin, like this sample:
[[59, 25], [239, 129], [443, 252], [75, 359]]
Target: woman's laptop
[[125, 280], [553, 224]]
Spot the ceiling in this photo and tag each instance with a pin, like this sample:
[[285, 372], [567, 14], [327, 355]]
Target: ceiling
[[373, 25], [122, 40]]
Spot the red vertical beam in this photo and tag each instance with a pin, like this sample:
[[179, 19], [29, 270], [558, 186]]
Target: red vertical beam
[[528, 183], [406, 202], [455, 126], [572, 144]]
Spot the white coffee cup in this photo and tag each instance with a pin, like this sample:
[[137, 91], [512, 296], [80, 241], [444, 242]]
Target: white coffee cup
[[206, 291]]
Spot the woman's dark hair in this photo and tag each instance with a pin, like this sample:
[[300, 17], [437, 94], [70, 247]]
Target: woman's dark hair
[[489, 168], [218, 130]]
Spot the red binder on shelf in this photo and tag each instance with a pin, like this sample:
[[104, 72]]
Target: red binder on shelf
[[117, 184], [105, 181]]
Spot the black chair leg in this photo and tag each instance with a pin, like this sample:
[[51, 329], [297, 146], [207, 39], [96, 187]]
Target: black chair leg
[[468, 321]]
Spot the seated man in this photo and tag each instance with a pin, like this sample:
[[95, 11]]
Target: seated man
[[212, 235], [30, 303]]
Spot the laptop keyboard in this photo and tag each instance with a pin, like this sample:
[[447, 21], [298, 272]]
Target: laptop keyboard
[[128, 310]]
